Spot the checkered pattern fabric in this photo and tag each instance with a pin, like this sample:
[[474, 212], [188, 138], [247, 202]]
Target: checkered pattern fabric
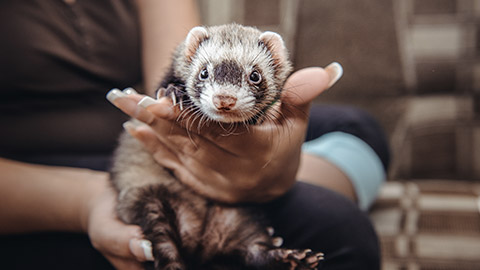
[[415, 65], [429, 225]]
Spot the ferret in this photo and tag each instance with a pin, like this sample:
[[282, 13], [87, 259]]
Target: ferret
[[224, 74]]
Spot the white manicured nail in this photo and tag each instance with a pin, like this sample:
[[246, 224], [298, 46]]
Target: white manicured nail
[[335, 71], [114, 94], [128, 126], [146, 101], [147, 249], [129, 91]]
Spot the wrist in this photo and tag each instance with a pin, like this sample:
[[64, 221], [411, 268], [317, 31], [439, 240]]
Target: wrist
[[95, 184]]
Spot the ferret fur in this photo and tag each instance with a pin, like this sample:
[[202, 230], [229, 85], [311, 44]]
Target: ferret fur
[[187, 230]]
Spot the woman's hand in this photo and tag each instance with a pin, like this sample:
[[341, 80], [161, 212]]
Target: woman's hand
[[123, 245], [253, 163], [75, 200]]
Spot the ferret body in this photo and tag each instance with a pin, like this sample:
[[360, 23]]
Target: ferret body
[[228, 74]]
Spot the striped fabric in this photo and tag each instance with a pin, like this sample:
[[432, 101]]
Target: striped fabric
[[432, 224]]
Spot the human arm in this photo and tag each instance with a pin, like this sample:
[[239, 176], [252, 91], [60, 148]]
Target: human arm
[[163, 25], [318, 171], [41, 198], [48, 198]]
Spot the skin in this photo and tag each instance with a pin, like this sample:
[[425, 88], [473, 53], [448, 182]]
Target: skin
[[269, 154], [78, 200], [158, 43], [49, 198]]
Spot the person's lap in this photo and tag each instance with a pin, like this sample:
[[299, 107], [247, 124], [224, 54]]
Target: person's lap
[[316, 218], [306, 217]]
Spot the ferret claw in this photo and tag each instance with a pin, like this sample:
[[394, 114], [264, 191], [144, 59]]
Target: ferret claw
[[299, 259], [270, 231], [161, 92], [174, 98], [277, 241]]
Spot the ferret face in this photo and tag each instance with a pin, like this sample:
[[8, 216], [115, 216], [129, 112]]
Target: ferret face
[[235, 75]]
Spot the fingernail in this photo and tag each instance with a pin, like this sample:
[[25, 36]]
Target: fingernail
[[335, 71], [113, 94], [147, 249], [142, 249], [146, 101], [129, 91], [128, 126]]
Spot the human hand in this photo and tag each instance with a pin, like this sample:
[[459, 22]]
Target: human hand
[[123, 245], [262, 159]]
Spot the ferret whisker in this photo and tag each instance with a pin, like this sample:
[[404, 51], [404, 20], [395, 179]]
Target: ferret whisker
[[221, 124], [204, 121], [172, 213], [194, 118]]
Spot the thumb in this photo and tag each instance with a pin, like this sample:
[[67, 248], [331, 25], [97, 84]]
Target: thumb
[[303, 86]]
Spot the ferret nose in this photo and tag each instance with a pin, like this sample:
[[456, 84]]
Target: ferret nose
[[224, 102]]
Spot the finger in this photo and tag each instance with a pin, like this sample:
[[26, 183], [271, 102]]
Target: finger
[[141, 249], [335, 72], [161, 108], [129, 105], [129, 93], [118, 238], [306, 84], [212, 185], [124, 264], [186, 163], [145, 135], [165, 152]]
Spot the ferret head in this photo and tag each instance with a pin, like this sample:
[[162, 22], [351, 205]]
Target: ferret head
[[235, 73]]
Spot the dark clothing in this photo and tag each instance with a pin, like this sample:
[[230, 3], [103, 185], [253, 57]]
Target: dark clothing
[[354, 121], [306, 217], [57, 61]]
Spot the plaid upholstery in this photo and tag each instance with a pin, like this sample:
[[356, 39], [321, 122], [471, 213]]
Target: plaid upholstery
[[432, 224], [415, 65]]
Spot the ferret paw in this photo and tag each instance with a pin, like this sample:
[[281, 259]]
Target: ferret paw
[[176, 93], [276, 241], [169, 266], [174, 267], [298, 259]]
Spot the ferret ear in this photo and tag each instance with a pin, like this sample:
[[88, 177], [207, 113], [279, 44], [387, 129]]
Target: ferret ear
[[275, 45], [193, 40]]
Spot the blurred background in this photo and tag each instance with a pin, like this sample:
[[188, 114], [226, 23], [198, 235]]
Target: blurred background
[[414, 65]]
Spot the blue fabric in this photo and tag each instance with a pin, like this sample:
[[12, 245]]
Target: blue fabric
[[332, 118], [355, 158]]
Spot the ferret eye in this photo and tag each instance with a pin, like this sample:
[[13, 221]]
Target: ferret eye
[[255, 77], [203, 74]]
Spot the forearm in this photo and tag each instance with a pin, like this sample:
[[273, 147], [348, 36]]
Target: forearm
[[318, 171], [164, 24], [46, 198]]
